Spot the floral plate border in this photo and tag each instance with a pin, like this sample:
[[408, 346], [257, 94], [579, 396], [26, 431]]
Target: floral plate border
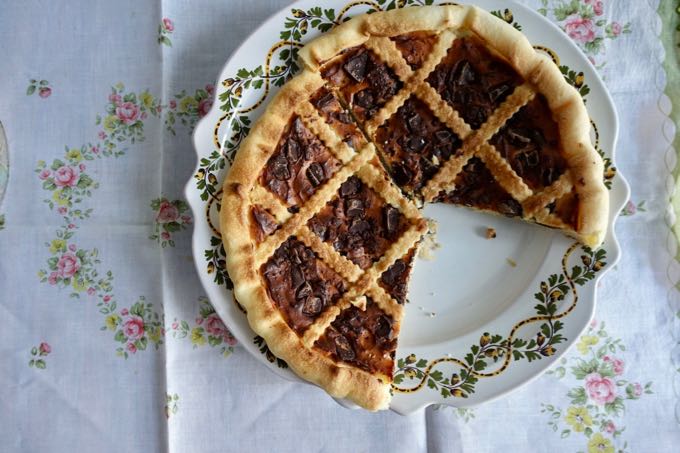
[[568, 289]]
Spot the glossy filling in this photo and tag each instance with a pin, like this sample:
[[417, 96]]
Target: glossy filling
[[300, 285], [472, 81], [476, 187], [530, 141], [415, 47], [395, 279], [364, 82], [338, 118], [359, 224], [414, 144], [364, 339], [262, 223], [300, 164]]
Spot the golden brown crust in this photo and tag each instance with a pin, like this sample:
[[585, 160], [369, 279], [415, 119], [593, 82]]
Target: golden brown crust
[[241, 188]]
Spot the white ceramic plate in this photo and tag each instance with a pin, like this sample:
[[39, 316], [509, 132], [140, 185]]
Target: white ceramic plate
[[485, 316]]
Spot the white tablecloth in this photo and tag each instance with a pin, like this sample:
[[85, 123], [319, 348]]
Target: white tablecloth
[[78, 373]]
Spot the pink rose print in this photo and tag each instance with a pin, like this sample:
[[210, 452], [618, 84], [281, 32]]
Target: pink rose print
[[580, 29], [133, 328], [167, 212], [616, 28], [82, 167], [124, 312], [204, 106], [598, 8], [173, 104], [199, 320], [101, 135], [600, 389], [610, 427], [68, 265], [214, 325], [66, 176], [45, 92], [131, 347], [168, 25], [106, 298], [52, 279], [44, 348], [143, 116], [175, 325], [62, 210], [72, 247], [115, 98], [210, 88], [44, 174], [186, 219], [90, 291], [127, 112], [42, 87], [617, 364], [165, 236], [71, 226]]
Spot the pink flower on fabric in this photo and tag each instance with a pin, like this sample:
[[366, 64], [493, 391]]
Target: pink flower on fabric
[[167, 212], [44, 348], [204, 107], [52, 279], [62, 210], [165, 236], [175, 325], [131, 347], [127, 112], [71, 226], [68, 265], [210, 88], [610, 427], [618, 365], [102, 135], [90, 291], [115, 98], [229, 339], [133, 328], [143, 116], [186, 219], [44, 174], [598, 8], [214, 325], [601, 389], [124, 312], [616, 28], [82, 167], [66, 176], [168, 25], [580, 29], [199, 320], [45, 92], [106, 298], [173, 104], [637, 389]]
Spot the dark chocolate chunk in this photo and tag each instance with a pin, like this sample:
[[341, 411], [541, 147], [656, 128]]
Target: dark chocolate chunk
[[383, 328], [265, 220], [531, 157], [510, 208], [401, 175], [549, 176], [381, 82], [356, 66], [464, 73], [299, 128], [415, 144], [279, 167], [518, 137], [293, 151], [297, 277], [499, 92], [343, 349], [315, 174], [359, 226], [392, 274], [324, 101], [319, 229], [391, 219], [415, 123], [304, 291], [443, 136], [364, 98], [350, 187], [537, 137], [343, 117], [354, 207], [280, 188], [312, 306]]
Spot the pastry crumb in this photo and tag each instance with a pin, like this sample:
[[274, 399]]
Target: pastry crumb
[[429, 242], [511, 262], [432, 314], [490, 233]]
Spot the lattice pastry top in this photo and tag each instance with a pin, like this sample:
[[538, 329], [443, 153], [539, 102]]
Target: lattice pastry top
[[442, 103]]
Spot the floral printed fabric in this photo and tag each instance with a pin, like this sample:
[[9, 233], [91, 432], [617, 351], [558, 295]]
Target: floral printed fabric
[[104, 319]]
